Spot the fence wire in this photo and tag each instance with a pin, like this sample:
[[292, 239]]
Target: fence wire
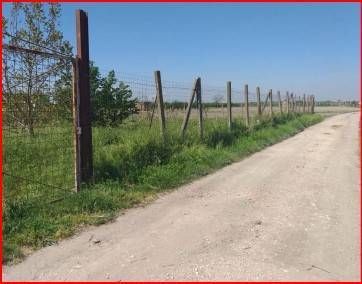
[[38, 150], [176, 96], [38, 130]]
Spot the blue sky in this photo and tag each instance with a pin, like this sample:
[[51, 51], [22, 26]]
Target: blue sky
[[305, 48]]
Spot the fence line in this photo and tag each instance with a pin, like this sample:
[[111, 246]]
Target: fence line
[[42, 110]]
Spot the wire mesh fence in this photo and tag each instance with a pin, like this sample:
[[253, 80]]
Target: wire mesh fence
[[176, 97], [38, 150], [45, 118]]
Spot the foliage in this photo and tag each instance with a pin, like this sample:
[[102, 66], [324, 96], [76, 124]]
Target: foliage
[[32, 26], [111, 99]]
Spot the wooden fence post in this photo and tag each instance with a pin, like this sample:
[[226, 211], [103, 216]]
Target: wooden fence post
[[300, 103], [294, 103], [280, 103], [246, 99], [288, 103], [271, 102], [292, 99], [308, 103], [84, 128], [265, 103], [188, 110], [199, 102], [75, 104], [159, 96], [303, 103], [258, 100], [312, 108], [228, 97]]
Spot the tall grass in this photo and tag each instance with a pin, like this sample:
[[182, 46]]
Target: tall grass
[[131, 165]]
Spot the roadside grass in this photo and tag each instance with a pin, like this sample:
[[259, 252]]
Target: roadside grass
[[132, 164]]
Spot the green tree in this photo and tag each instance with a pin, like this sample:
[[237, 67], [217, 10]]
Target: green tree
[[28, 79], [111, 99]]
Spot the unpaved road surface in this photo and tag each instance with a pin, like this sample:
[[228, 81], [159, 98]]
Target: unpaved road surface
[[290, 212]]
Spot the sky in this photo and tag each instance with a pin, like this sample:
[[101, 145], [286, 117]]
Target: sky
[[304, 48]]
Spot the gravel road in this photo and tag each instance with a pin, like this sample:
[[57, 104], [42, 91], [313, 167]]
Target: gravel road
[[289, 212]]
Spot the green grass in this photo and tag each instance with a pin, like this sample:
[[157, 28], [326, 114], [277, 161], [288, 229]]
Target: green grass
[[131, 165]]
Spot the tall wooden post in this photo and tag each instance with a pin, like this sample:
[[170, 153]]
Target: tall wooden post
[[292, 99], [258, 100], [246, 100], [280, 103], [228, 97], [288, 104], [199, 103], [271, 102], [313, 102], [160, 105], [84, 129]]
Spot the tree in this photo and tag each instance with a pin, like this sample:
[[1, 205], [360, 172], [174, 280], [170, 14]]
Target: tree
[[111, 99], [28, 85]]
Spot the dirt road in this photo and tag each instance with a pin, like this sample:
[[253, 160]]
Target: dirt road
[[290, 212]]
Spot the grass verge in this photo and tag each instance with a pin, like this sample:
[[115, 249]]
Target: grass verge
[[132, 168]]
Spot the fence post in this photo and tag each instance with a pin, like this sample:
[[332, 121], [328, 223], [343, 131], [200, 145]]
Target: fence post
[[201, 124], [312, 108], [287, 102], [292, 99], [75, 104], [265, 102], [280, 103], [188, 110], [303, 103], [159, 98], [228, 97], [246, 99], [84, 128], [298, 104], [258, 100], [294, 103], [271, 102], [308, 103]]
